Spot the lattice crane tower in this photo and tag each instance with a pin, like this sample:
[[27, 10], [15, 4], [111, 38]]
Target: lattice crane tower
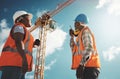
[[41, 50]]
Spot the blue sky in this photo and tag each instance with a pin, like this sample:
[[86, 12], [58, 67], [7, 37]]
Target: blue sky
[[104, 17]]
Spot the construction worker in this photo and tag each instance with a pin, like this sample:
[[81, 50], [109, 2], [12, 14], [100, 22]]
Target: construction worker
[[85, 59], [16, 57]]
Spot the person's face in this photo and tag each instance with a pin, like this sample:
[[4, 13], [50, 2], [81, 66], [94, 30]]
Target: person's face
[[78, 26], [29, 20]]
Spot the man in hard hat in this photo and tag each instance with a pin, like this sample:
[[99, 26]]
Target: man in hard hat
[[85, 59], [16, 57]]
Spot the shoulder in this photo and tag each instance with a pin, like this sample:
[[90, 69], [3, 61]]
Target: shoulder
[[19, 29], [86, 30]]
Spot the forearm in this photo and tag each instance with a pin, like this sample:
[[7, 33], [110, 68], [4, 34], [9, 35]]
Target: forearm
[[86, 56], [72, 44], [18, 36]]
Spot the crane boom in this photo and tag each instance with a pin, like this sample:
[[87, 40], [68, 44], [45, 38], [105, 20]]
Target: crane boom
[[60, 7], [54, 12]]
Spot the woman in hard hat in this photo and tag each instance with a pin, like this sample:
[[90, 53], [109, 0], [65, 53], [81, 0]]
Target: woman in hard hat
[[16, 57], [85, 59]]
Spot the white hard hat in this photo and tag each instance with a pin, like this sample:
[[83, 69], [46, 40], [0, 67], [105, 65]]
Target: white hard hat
[[20, 13]]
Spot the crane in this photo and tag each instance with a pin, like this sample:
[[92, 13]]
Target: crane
[[41, 50]]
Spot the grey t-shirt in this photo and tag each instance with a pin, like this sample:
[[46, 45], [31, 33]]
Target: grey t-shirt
[[18, 29]]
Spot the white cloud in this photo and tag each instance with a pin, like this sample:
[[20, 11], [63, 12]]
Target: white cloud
[[113, 6], [102, 3], [4, 32], [111, 53], [55, 40], [3, 23], [48, 67]]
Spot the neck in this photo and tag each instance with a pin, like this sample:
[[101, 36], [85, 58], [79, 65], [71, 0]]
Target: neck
[[81, 27]]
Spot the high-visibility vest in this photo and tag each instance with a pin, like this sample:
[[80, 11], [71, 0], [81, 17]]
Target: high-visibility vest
[[10, 55], [78, 49]]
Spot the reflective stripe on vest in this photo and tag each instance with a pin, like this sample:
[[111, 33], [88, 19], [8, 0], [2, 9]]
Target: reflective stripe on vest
[[79, 51], [8, 48]]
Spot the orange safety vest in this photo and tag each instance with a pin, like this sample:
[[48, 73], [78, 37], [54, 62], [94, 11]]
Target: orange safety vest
[[77, 55], [10, 55]]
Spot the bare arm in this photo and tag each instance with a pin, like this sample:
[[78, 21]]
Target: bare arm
[[18, 36]]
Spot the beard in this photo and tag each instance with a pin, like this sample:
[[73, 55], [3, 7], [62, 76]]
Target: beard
[[79, 27]]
